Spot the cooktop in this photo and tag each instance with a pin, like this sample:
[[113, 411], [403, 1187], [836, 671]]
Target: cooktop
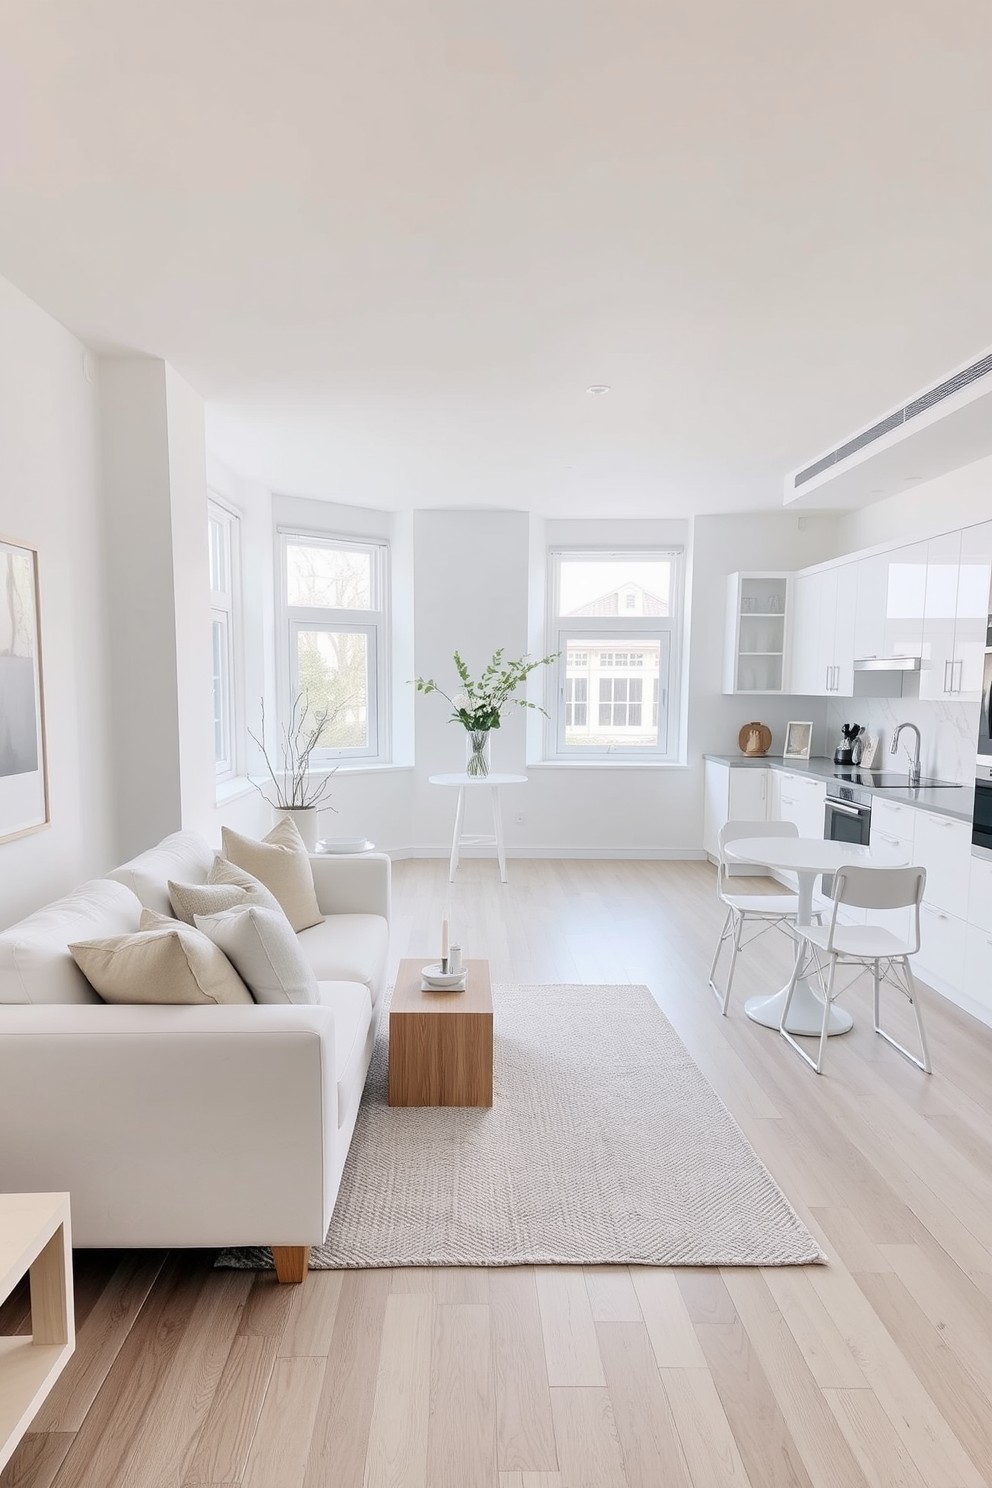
[[890, 780]]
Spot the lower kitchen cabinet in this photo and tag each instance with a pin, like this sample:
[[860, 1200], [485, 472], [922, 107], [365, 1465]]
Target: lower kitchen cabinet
[[731, 795]]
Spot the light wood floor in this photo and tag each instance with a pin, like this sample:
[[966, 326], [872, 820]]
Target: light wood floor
[[873, 1370]]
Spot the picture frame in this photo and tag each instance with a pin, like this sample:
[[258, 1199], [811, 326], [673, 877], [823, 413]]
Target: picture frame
[[798, 740], [24, 803]]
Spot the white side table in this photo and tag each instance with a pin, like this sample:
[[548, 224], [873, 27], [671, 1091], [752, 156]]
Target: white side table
[[460, 840], [34, 1240], [807, 858]]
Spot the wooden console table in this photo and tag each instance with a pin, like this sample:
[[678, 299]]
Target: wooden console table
[[34, 1241], [441, 1043]]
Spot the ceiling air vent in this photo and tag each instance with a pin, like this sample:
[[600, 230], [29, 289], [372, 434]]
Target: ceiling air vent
[[894, 420]]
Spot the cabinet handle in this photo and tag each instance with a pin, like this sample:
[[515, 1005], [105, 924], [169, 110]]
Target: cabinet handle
[[947, 685], [958, 687]]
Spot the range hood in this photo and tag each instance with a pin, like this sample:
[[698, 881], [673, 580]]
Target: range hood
[[888, 664]]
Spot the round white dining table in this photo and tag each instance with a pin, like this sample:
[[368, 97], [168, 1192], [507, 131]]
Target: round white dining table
[[807, 858]]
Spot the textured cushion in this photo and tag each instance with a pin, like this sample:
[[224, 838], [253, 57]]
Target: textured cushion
[[184, 856], [226, 887], [35, 964], [262, 947], [349, 947], [166, 961], [282, 863]]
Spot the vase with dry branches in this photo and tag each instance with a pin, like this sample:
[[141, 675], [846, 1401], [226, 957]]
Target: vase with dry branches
[[297, 792]]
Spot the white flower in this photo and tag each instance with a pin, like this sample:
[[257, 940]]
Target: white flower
[[460, 700]]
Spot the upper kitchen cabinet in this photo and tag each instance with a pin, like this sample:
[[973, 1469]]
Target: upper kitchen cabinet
[[905, 601], [959, 566], [824, 609], [757, 627]]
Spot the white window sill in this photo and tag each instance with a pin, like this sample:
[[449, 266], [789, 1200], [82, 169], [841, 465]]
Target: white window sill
[[230, 790], [608, 764]]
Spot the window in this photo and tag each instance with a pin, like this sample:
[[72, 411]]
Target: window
[[615, 619], [223, 533], [335, 624]]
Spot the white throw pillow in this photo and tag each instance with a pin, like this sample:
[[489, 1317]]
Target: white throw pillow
[[164, 962], [262, 946], [282, 863], [226, 887]]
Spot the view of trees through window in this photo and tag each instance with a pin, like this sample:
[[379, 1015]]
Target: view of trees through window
[[330, 596]]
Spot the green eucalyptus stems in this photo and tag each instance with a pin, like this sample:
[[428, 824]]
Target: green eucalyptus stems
[[480, 704]]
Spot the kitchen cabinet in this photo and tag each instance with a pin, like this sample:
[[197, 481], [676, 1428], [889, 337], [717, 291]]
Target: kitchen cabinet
[[905, 600], [959, 566], [757, 627], [801, 800], [731, 794], [824, 611], [942, 845]]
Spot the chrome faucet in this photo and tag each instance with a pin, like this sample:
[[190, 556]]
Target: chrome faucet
[[914, 764]]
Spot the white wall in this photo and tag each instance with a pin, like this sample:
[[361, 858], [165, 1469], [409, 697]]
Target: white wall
[[959, 499], [50, 498]]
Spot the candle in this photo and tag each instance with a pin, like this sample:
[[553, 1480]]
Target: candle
[[444, 938]]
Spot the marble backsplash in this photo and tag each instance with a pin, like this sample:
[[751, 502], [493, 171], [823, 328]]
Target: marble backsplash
[[948, 732]]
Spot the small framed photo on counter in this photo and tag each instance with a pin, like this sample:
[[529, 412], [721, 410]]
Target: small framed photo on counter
[[798, 739]]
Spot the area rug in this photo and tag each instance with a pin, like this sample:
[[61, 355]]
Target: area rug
[[605, 1144]]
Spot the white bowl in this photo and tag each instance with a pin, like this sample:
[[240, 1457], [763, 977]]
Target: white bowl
[[343, 845], [442, 979]]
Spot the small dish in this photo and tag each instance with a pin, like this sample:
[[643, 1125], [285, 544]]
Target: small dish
[[442, 981], [343, 845]]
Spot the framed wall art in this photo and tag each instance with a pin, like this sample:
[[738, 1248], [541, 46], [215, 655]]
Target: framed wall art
[[798, 739], [23, 765]]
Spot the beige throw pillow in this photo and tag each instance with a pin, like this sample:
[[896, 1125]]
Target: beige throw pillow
[[282, 863], [226, 886], [262, 947], [164, 962]]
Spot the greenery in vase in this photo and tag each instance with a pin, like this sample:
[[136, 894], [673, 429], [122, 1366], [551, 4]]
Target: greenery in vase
[[480, 704], [295, 790]]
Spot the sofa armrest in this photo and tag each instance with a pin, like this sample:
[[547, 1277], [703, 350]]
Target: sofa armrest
[[352, 883], [202, 1126]]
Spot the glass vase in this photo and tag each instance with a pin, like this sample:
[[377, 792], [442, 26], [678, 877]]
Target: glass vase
[[477, 752]]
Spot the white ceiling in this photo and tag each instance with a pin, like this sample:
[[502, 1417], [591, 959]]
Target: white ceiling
[[391, 242]]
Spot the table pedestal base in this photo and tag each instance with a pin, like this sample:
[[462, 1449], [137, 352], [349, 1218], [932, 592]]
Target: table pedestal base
[[805, 1015]]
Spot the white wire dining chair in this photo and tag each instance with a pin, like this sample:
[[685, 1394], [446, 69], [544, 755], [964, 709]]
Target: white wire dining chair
[[764, 911], [870, 947]]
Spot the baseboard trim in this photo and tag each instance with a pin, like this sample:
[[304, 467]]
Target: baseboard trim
[[649, 854]]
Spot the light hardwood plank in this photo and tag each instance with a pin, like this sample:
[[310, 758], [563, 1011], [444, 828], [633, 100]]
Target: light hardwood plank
[[524, 1426], [827, 1356], [279, 1451], [340, 1439], [467, 1285], [611, 1295], [666, 1317], [589, 1451], [652, 1452], [310, 1324], [883, 1457], [461, 1444], [397, 1451], [225, 1438], [530, 1480], [36, 1460], [570, 1343], [99, 1341], [711, 1451]]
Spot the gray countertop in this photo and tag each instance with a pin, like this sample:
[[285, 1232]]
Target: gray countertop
[[955, 801]]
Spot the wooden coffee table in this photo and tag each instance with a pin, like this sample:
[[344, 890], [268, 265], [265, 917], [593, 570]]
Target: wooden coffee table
[[441, 1043]]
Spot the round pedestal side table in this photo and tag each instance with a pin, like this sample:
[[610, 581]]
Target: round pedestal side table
[[459, 839]]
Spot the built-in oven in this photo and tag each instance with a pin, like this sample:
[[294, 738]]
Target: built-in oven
[[981, 827], [985, 712], [846, 818]]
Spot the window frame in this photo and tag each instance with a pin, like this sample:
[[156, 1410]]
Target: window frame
[[372, 622], [627, 633], [225, 608]]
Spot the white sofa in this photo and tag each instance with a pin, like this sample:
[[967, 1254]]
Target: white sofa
[[188, 1126]]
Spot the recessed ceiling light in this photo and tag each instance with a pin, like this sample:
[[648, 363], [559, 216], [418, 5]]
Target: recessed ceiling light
[[599, 387]]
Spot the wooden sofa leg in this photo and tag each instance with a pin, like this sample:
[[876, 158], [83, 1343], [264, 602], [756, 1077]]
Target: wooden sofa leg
[[292, 1261]]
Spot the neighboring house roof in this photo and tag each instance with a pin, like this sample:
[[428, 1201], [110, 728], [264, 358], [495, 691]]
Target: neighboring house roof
[[609, 604]]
